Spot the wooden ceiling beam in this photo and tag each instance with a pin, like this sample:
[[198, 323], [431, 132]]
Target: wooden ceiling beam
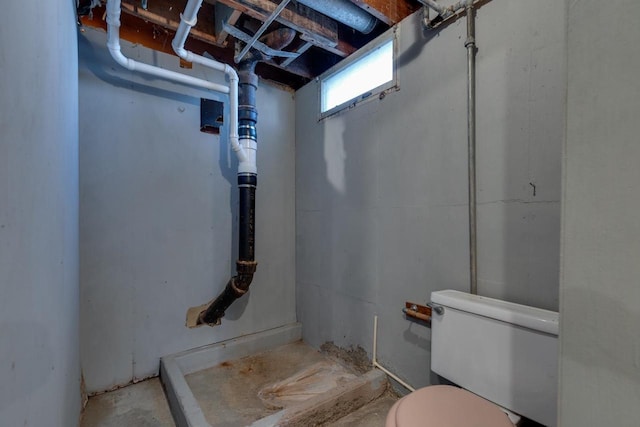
[[154, 36], [224, 15], [134, 30], [167, 14], [389, 11]]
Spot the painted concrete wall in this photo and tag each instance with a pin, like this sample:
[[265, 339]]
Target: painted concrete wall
[[39, 303], [600, 290], [158, 207], [381, 189]]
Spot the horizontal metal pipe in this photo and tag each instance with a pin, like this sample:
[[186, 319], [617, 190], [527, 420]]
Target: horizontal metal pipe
[[344, 11]]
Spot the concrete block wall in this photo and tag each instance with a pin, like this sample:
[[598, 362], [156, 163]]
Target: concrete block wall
[[381, 189], [39, 302], [599, 285], [158, 216], [380, 205]]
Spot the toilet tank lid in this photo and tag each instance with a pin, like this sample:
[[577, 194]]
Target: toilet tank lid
[[529, 317]]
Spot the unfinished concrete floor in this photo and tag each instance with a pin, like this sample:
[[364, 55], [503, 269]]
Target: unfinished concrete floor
[[139, 405]]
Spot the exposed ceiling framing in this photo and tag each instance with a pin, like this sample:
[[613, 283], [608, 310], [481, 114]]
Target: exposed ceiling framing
[[320, 40]]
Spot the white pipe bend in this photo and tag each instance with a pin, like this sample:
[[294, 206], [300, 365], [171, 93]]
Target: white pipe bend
[[187, 20], [113, 44]]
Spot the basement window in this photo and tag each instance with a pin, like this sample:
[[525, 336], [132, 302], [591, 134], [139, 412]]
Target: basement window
[[368, 72]]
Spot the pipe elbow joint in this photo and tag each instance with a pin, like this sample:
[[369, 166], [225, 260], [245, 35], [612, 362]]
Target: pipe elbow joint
[[180, 51], [236, 287], [213, 314], [231, 72], [116, 54]]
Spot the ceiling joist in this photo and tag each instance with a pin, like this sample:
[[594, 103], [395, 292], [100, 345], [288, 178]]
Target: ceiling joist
[[155, 36], [313, 26], [320, 42], [167, 14], [388, 11]]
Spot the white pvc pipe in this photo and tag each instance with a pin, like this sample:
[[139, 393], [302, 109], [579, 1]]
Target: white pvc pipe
[[379, 366], [375, 339], [187, 20], [386, 371], [113, 43]]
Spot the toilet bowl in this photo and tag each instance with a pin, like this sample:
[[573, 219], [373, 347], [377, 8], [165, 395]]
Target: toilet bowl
[[445, 406], [503, 355]]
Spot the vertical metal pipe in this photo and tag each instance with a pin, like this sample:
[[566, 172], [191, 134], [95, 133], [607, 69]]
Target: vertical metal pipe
[[470, 44]]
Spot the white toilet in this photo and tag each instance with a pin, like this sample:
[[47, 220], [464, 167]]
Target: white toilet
[[503, 355]]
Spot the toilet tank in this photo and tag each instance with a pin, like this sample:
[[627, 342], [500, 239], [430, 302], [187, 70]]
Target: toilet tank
[[504, 352]]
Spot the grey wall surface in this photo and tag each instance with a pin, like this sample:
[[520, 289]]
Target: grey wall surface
[[599, 285], [381, 189], [158, 205], [39, 303]]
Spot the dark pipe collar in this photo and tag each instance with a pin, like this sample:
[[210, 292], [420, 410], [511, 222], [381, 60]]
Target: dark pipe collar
[[248, 64]]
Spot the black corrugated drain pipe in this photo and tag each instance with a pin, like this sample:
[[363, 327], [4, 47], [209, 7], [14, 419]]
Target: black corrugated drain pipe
[[246, 265]]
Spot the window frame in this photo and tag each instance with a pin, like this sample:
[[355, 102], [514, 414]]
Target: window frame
[[374, 93]]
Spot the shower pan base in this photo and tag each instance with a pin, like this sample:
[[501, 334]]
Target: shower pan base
[[261, 380]]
